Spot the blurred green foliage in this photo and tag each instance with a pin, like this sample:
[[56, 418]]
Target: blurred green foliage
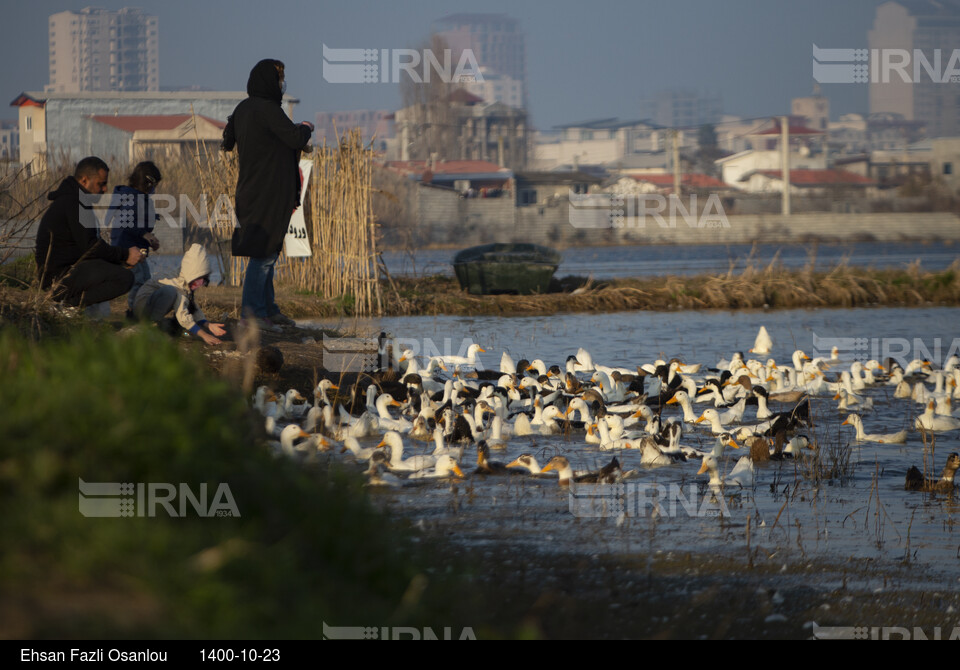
[[307, 547]]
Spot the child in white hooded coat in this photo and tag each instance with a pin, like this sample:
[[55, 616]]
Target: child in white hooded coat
[[158, 297]]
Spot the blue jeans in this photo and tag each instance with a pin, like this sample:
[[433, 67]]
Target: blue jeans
[[141, 275], [258, 298]]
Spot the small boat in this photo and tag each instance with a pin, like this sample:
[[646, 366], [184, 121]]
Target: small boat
[[506, 268]]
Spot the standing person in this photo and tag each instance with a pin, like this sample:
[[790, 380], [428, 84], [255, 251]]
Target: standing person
[[268, 186], [131, 220], [72, 258]]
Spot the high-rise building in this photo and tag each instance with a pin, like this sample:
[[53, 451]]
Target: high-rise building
[[99, 50], [815, 109], [680, 108], [931, 27], [497, 43]]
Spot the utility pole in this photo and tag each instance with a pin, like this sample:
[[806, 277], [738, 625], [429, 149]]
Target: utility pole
[[676, 162], [785, 164]]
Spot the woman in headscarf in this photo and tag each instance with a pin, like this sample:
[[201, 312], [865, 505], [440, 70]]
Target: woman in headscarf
[[268, 186]]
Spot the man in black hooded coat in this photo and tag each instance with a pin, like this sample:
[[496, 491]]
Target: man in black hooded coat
[[71, 257], [268, 186]]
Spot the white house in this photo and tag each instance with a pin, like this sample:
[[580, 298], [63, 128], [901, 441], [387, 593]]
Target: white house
[[734, 167]]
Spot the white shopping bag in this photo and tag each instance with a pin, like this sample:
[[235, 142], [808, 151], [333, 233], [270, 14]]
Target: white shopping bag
[[296, 244]]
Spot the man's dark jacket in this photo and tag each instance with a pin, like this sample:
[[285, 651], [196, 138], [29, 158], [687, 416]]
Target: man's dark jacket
[[268, 144], [68, 233]]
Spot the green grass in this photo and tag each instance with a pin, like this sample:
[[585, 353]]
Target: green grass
[[307, 547]]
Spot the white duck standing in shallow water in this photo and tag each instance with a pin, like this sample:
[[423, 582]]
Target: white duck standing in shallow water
[[763, 344]]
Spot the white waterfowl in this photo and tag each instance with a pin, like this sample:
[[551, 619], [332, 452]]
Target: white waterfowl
[[930, 421], [393, 440], [526, 461], [862, 436], [848, 399], [378, 475], [286, 444], [469, 360], [681, 398], [446, 466], [351, 444], [763, 343], [440, 447], [387, 422], [713, 417], [741, 476], [584, 361], [549, 425]]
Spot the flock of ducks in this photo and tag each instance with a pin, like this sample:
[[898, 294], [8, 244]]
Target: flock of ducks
[[420, 420]]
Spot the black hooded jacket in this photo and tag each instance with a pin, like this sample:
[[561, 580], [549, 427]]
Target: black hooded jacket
[[268, 145], [68, 233]]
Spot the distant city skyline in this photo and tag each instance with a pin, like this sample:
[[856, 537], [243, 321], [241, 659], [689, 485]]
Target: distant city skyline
[[583, 61]]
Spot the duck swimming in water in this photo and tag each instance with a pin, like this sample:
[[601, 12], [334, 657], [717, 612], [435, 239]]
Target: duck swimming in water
[[915, 480]]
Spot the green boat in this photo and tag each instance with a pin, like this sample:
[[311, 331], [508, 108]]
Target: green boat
[[506, 268]]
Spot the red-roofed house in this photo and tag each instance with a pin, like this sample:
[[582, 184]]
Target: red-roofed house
[[62, 125], [133, 139], [808, 182]]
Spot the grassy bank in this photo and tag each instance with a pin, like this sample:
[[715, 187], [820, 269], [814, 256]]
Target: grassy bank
[[772, 287], [304, 548]]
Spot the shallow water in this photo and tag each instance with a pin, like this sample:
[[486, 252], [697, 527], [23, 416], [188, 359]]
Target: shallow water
[[645, 261], [866, 516], [659, 260]]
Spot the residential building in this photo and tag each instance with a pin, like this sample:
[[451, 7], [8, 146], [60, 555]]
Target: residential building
[[464, 128], [813, 110], [492, 86], [540, 188], [374, 124], [57, 125], [682, 108], [599, 141], [887, 131], [931, 27], [662, 183], [100, 50], [127, 140], [9, 140], [734, 167], [805, 182], [497, 42], [937, 158]]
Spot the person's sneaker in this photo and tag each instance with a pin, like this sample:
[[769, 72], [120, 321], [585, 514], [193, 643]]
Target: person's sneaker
[[281, 319], [262, 324], [170, 326], [66, 311]]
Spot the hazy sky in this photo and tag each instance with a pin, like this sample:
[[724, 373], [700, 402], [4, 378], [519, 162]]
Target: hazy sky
[[585, 59]]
